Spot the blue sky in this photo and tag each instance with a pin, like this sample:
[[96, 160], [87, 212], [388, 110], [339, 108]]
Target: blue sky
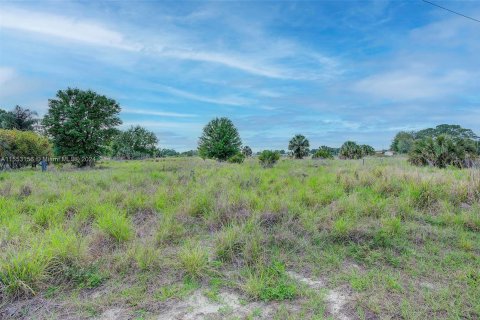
[[331, 70]]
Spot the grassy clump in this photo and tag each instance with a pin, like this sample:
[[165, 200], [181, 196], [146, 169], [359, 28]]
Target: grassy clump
[[193, 260], [269, 283], [116, 225]]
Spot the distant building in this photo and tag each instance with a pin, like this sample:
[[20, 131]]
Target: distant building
[[389, 153]]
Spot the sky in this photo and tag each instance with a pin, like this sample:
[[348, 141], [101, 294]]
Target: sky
[[330, 70]]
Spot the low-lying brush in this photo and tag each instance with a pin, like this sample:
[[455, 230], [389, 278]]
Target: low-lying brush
[[398, 240]]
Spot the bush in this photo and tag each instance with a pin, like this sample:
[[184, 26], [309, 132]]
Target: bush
[[238, 158], [14, 143], [443, 151], [350, 150], [268, 158], [323, 153], [367, 150]]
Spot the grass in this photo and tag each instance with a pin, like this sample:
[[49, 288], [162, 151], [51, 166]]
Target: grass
[[404, 241]]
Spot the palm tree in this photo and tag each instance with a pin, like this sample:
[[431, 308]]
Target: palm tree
[[350, 150], [299, 146]]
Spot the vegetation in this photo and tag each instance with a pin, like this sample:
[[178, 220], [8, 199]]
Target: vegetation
[[350, 150], [367, 150], [268, 158], [404, 141], [15, 143], [81, 124], [220, 140], [299, 145], [18, 119], [238, 158], [396, 241], [443, 151], [247, 151], [135, 143], [323, 153]]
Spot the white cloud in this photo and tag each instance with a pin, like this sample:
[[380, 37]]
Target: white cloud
[[64, 27]]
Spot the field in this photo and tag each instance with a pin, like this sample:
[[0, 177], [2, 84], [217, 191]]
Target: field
[[191, 239]]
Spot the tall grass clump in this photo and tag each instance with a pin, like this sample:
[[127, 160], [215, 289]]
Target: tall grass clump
[[193, 260], [115, 224]]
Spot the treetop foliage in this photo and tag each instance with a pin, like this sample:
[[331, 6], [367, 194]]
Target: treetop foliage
[[220, 140], [299, 145], [18, 119], [135, 143], [81, 123]]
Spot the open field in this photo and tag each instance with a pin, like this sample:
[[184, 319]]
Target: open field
[[191, 239]]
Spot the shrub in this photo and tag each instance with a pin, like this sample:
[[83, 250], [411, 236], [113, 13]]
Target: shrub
[[367, 150], [268, 158], [323, 153], [14, 143], [220, 140], [238, 158], [443, 151], [299, 146], [350, 150]]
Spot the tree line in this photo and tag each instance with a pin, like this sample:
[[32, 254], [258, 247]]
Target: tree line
[[83, 124]]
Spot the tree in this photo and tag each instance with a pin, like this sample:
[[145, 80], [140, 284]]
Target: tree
[[367, 150], [81, 123], [18, 119], [323, 153], [350, 150], [403, 142], [167, 153], [442, 151], [135, 143], [268, 158], [299, 146], [247, 151], [220, 140]]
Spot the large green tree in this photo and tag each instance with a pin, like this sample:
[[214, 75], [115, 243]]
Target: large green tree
[[299, 145], [135, 143], [18, 119], [220, 140], [81, 123]]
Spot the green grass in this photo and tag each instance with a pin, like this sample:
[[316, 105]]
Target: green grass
[[404, 240]]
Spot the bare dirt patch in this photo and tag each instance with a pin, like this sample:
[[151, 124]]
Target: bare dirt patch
[[337, 299]]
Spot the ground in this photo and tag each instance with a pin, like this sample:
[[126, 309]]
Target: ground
[[185, 238]]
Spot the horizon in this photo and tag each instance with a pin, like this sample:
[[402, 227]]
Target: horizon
[[331, 71]]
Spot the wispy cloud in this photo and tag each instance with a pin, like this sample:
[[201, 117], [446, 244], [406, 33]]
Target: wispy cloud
[[228, 100], [89, 32], [157, 113]]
